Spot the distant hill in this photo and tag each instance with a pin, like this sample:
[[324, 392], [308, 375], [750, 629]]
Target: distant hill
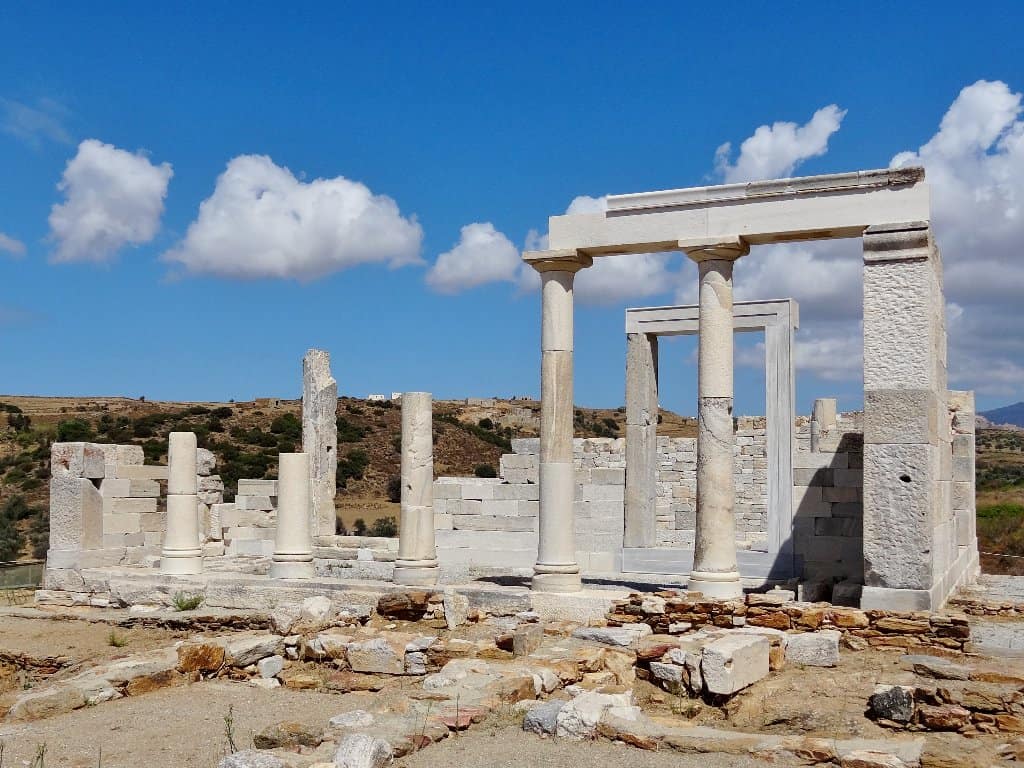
[[1008, 414]]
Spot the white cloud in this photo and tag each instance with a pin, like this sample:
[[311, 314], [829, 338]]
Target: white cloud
[[10, 245], [482, 255], [34, 124], [114, 198], [263, 222], [975, 167], [587, 204], [613, 279], [776, 150]]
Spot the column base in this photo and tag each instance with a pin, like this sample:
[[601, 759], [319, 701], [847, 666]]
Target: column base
[[291, 569], [544, 581], [182, 563], [416, 573], [719, 586]]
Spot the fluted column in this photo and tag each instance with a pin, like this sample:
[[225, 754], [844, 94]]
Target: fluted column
[[556, 569], [182, 553], [715, 572], [293, 544], [417, 555]]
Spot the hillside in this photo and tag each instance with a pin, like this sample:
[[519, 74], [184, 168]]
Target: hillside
[[246, 438], [1008, 414]]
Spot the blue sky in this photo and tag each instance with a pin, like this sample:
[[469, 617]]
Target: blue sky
[[462, 115]]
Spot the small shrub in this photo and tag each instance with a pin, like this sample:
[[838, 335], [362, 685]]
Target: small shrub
[[349, 432], [484, 470], [287, 425], [394, 489], [74, 431], [385, 527], [222, 413], [186, 602], [359, 527], [486, 423], [115, 640]]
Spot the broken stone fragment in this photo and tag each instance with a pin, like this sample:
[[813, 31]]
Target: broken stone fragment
[[892, 702], [250, 758], [362, 751], [814, 649], [288, 734]]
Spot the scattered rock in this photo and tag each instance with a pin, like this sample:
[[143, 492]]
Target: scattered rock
[[456, 609], [865, 758], [543, 718], [357, 718], [250, 758], [380, 655], [301, 679], [935, 667], [943, 717], [411, 606], [361, 751], [47, 703], [578, 719], [149, 683], [245, 650], [200, 657], [847, 593], [288, 734], [270, 666], [527, 639], [892, 702], [734, 662], [315, 610], [622, 637], [265, 683], [814, 649]]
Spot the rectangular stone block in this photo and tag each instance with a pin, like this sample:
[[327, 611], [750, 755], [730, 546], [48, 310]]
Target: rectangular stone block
[[499, 508], [121, 506], [838, 526], [849, 509], [443, 522], [76, 513], [528, 508], [493, 523], [114, 488], [141, 472], [114, 540], [819, 476], [526, 445], [254, 503], [845, 495], [445, 490], [528, 492], [963, 496], [605, 476], [820, 460], [963, 469], [121, 523], [250, 487], [153, 523], [901, 416], [963, 446], [900, 498], [516, 461], [601, 493], [848, 478], [477, 491], [734, 662]]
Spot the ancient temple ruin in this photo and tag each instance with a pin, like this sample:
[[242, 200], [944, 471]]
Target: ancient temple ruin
[[875, 507]]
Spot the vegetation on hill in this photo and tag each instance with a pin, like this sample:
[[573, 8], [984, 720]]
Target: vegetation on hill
[[1000, 499]]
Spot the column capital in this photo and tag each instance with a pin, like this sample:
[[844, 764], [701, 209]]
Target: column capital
[[911, 241], [564, 260], [715, 248]]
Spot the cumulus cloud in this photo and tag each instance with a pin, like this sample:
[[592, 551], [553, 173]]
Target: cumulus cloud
[[263, 222], [10, 245], [776, 150], [975, 167], [113, 197], [587, 204], [34, 124], [482, 255]]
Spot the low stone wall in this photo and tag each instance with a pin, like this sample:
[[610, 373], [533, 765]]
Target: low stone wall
[[680, 612]]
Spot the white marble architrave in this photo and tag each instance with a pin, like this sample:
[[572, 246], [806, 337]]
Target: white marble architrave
[[556, 569], [778, 319]]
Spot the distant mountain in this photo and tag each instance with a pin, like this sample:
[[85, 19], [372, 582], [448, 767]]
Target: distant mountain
[[1008, 414]]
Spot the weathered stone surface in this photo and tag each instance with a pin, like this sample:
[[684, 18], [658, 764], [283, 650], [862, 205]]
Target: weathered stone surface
[[206, 462], [315, 610], [201, 657], [410, 605], [578, 719], [935, 667], [357, 718], [362, 751], [543, 718], [150, 683], [288, 734], [250, 758], [379, 655], [302, 679], [270, 666], [892, 702], [864, 758], [623, 637], [814, 649], [734, 662], [248, 649], [943, 717], [47, 703], [456, 609], [320, 437], [527, 639]]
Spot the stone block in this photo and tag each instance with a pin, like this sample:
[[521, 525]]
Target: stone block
[[506, 492], [899, 506], [76, 512], [601, 493], [901, 416], [838, 526], [605, 476], [476, 491], [734, 662], [121, 523], [500, 508], [141, 472], [445, 489], [254, 503], [131, 506], [848, 478], [529, 508], [802, 460], [206, 462], [843, 495], [817, 476], [963, 469], [114, 488], [259, 487], [493, 523], [526, 445], [814, 649]]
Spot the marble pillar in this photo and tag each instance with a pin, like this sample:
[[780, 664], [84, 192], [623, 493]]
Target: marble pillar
[[641, 440], [416, 564], [715, 571], [556, 569], [320, 438], [182, 553], [293, 544]]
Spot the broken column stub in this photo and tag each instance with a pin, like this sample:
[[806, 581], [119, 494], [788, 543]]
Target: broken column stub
[[293, 545], [182, 553], [320, 438], [416, 564]]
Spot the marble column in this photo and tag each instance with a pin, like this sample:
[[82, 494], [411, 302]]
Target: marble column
[[182, 554], [640, 528], [416, 564], [715, 572], [293, 544], [556, 569], [320, 438]]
